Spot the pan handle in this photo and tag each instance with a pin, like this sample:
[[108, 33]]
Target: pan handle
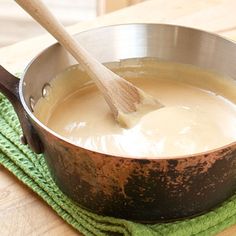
[[9, 86]]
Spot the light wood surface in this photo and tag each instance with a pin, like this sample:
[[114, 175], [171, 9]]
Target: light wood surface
[[106, 6], [16, 25], [23, 213]]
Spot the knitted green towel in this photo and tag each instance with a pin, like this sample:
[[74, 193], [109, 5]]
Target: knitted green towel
[[31, 169]]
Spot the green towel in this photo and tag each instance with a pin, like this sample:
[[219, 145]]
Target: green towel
[[31, 169]]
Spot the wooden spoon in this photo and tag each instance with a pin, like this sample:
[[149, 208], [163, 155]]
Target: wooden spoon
[[122, 97]]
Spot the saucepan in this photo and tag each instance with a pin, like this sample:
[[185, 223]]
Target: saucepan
[[144, 189]]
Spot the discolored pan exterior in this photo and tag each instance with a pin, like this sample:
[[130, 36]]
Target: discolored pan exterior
[[141, 189]]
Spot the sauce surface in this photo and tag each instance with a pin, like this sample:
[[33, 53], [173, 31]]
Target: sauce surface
[[199, 113]]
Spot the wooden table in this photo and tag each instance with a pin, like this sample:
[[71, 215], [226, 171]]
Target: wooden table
[[21, 211]]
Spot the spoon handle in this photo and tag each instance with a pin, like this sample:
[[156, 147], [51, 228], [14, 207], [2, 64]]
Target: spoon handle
[[40, 12], [120, 95]]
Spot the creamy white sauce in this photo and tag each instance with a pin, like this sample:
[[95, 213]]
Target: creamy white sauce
[[193, 119]]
